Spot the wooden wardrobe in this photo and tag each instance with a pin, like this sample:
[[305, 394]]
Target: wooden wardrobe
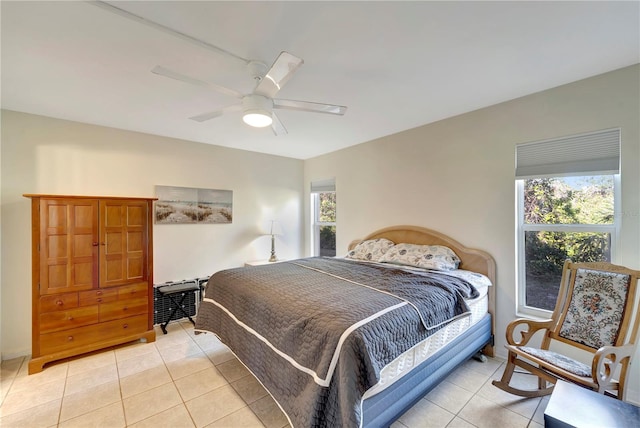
[[92, 274]]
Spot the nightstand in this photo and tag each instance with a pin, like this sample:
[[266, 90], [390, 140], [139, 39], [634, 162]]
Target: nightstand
[[574, 406], [261, 262]]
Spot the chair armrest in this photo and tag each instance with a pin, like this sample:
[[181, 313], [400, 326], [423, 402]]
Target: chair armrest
[[533, 327], [606, 361]]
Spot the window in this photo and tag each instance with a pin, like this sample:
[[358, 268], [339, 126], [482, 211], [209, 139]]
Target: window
[[323, 208], [566, 209]]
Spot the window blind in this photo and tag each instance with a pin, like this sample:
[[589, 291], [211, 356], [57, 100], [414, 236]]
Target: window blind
[[585, 154], [321, 186]]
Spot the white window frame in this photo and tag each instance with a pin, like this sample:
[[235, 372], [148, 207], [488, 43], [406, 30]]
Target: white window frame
[[613, 229], [591, 153]]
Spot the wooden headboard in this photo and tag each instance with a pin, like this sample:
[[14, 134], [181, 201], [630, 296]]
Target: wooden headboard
[[474, 260], [471, 259]]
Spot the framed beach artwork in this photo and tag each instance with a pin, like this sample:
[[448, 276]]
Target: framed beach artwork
[[188, 205]]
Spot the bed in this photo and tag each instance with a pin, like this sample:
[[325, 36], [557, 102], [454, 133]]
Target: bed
[[356, 341]]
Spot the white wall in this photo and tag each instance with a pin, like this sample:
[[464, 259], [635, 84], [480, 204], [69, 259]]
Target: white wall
[[0, 237], [50, 156], [457, 175]]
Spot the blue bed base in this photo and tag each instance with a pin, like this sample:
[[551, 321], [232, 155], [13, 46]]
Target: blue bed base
[[384, 408]]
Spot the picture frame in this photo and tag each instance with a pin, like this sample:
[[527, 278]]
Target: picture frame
[[190, 205]]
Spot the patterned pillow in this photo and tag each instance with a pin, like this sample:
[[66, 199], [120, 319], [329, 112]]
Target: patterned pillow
[[424, 256], [371, 250]]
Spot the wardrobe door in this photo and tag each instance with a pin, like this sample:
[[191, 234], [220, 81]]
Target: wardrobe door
[[124, 240], [68, 247]]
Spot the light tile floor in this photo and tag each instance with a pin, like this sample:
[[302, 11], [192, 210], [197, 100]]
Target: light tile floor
[[188, 380]]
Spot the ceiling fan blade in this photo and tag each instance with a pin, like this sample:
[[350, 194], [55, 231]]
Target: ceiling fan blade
[[280, 72], [207, 116], [308, 106], [162, 71], [118, 11], [213, 114], [276, 126]]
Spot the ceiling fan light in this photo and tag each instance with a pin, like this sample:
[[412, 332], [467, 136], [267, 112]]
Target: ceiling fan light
[[257, 110], [257, 118]]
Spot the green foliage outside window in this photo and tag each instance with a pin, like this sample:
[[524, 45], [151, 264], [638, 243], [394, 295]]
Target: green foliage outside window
[[327, 207], [327, 214], [563, 201], [583, 200], [328, 241]]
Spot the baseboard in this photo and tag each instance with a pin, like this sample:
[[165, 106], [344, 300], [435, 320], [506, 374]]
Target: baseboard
[[11, 355]]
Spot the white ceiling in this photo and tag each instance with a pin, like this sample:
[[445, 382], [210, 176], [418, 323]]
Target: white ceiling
[[396, 65]]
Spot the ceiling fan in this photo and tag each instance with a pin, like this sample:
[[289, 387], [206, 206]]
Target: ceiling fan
[[258, 106]]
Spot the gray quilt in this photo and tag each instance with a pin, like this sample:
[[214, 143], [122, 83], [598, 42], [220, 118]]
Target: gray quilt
[[316, 332]]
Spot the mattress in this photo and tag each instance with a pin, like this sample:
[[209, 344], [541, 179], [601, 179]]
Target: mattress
[[413, 357], [246, 309]]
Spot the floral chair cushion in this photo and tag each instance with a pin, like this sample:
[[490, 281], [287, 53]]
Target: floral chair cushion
[[422, 256], [559, 360], [596, 308], [371, 250]]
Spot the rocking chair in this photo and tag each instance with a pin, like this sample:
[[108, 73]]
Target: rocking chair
[[596, 305]]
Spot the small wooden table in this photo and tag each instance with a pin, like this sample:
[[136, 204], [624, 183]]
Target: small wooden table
[[572, 406]]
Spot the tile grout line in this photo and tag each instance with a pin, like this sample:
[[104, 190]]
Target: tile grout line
[[184, 403], [124, 413], [173, 381], [228, 383], [64, 388], [200, 345]]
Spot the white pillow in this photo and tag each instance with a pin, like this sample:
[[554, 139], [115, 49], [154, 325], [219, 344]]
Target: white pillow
[[371, 250], [424, 256]]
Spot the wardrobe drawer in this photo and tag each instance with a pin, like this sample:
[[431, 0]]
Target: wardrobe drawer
[[133, 291], [93, 297], [58, 302], [123, 308], [63, 320], [92, 334]]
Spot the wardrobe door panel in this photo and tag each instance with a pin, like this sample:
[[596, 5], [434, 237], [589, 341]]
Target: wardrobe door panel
[[68, 245], [124, 229]]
